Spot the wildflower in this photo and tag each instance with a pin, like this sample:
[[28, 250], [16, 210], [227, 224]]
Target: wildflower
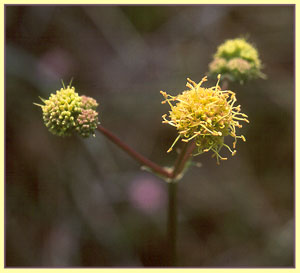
[[66, 113], [237, 60], [205, 115]]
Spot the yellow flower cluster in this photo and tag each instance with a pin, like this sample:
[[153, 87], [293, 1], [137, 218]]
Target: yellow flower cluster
[[66, 113], [205, 115]]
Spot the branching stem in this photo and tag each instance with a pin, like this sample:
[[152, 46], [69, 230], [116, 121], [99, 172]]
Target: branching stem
[[172, 175], [179, 164]]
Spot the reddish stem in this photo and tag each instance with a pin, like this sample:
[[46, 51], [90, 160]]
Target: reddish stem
[[183, 158], [137, 156], [178, 167]]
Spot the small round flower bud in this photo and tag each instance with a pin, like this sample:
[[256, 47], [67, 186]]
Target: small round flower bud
[[239, 65], [66, 113], [88, 103], [237, 60], [205, 115], [87, 122], [218, 64]]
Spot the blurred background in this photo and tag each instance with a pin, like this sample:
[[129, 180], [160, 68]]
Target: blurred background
[[74, 202]]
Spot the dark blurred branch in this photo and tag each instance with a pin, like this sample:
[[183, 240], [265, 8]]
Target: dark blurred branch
[[183, 157], [172, 223]]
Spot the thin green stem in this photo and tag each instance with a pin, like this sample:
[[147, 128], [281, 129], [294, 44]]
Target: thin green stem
[[183, 156]]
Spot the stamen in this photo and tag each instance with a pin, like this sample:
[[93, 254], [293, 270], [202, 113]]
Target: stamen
[[189, 85], [213, 133], [228, 148], [187, 140], [217, 85], [192, 82], [243, 119], [171, 148], [204, 79]]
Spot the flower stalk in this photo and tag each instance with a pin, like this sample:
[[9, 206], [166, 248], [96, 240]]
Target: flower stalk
[[172, 223], [135, 155], [168, 174]]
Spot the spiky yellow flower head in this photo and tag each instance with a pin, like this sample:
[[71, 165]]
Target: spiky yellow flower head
[[66, 113], [237, 60], [205, 115]]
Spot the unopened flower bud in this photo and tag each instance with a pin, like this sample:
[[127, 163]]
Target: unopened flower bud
[[236, 60], [87, 122], [88, 103], [66, 113]]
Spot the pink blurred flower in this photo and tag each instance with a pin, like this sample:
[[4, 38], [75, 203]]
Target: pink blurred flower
[[147, 194]]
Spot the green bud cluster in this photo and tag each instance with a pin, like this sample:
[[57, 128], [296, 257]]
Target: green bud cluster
[[66, 113], [237, 60]]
